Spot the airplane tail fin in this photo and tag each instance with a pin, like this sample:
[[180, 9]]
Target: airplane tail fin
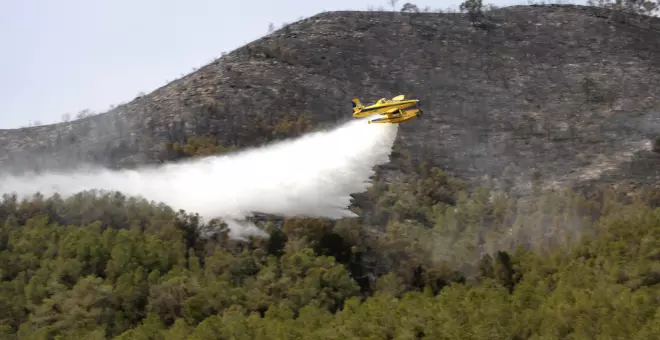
[[356, 105]]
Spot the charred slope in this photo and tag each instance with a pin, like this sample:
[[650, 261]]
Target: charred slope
[[568, 90]]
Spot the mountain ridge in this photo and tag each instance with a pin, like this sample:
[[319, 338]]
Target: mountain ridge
[[562, 89]]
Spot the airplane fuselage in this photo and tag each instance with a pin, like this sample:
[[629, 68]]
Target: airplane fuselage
[[385, 108]]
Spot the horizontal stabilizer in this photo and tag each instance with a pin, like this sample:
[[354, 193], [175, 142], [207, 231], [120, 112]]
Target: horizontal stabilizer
[[356, 105]]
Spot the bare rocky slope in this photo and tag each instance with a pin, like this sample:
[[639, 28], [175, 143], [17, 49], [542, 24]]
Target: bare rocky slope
[[570, 91]]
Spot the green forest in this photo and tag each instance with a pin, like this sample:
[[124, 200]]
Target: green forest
[[428, 258]]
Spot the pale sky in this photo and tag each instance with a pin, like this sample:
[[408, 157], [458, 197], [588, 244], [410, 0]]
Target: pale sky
[[64, 56]]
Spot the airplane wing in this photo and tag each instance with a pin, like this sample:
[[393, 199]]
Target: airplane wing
[[391, 111], [398, 98]]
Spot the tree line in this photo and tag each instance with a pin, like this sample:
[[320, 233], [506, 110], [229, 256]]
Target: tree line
[[428, 258]]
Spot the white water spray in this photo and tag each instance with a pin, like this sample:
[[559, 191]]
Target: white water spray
[[312, 176]]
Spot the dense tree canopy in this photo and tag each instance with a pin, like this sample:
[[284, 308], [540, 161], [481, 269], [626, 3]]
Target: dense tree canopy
[[430, 259]]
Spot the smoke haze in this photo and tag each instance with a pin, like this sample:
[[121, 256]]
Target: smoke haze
[[311, 176]]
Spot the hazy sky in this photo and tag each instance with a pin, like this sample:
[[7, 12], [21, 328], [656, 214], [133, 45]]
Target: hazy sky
[[65, 56]]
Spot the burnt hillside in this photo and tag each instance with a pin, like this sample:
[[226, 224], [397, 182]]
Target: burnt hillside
[[568, 90]]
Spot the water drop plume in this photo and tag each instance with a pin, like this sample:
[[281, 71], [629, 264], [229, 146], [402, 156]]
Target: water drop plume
[[312, 175]]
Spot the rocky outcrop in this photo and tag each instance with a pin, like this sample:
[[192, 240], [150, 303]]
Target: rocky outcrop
[[567, 91]]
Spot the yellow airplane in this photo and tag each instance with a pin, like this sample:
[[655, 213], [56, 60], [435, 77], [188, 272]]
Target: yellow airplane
[[393, 111]]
